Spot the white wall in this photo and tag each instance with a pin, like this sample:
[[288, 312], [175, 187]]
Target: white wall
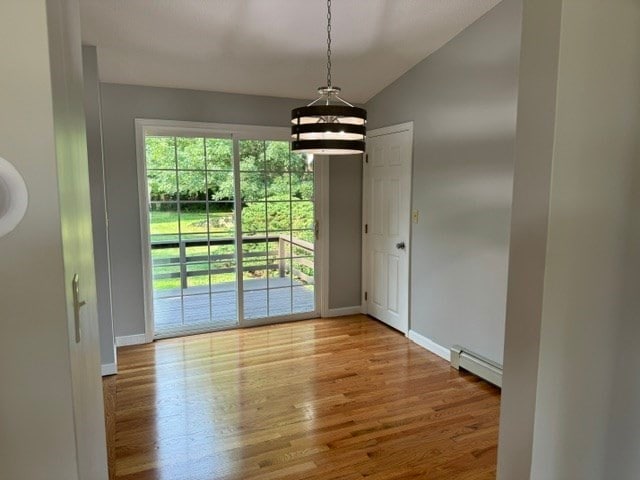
[[462, 101], [571, 257]]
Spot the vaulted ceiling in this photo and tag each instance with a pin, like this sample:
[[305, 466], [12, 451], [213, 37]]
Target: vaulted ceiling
[[269, 47]]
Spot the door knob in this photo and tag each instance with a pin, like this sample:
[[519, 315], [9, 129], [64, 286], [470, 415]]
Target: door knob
[[400, 246]]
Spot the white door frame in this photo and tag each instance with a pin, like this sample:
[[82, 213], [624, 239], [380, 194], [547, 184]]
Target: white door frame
[[145, 126], [401, 127]]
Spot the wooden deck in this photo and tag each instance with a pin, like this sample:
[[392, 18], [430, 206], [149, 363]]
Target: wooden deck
[[329, 399], [196, 309]]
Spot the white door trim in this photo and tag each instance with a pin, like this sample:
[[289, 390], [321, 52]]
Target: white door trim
[[196, 129], [401, 127], [143, 195]]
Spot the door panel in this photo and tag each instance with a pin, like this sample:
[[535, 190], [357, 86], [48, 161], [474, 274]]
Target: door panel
[[277, 230], [394, 284], [393, 205], [387, 181], [190, 184], [379, 280], [377, 213], [395, 155], [77, 242]]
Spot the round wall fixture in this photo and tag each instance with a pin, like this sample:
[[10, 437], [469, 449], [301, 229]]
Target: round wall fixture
[[13, 197]]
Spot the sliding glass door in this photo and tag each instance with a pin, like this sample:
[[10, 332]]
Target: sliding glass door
[[277, 228], [192, 232], [231, 231]]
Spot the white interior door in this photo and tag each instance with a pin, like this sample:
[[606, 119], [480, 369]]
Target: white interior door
[[387, 212]]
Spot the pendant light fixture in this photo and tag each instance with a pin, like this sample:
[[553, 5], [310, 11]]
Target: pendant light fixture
[[329, 125]]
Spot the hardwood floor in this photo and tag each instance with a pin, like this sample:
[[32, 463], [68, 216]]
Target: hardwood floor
[[345, 398]]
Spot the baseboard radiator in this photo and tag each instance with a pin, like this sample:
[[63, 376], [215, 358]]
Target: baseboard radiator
[[461, 358]]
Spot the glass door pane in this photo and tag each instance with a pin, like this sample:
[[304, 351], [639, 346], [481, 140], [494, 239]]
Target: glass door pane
[[277, 230], [192, 232], [200, 277]]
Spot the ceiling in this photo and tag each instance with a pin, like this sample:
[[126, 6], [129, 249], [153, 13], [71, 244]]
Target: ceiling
[[269, 47]]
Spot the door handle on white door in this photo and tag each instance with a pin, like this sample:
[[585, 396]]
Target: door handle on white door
[[77, 304], [400, 246]]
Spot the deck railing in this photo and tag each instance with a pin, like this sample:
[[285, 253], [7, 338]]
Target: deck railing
[[276, 260]]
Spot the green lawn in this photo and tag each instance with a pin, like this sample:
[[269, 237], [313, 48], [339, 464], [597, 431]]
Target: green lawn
[[165, 227], [165, 224]]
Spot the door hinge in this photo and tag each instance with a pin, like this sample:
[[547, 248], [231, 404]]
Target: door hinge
[[366, 296], [366, 158], [316, 228], [366, 228]]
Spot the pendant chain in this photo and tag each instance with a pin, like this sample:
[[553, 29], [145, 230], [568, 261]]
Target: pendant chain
[[328, 43]]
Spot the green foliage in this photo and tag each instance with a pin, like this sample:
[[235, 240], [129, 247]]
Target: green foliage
[[200, 169], [277, 215], [197, 168], [276, 189]]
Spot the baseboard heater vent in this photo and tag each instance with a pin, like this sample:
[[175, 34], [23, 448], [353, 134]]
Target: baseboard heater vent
[[486, 369]]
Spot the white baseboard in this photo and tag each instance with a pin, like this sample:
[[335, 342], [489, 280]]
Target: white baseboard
[[430, 345], [131, 340], [341, 312], [109, 369]]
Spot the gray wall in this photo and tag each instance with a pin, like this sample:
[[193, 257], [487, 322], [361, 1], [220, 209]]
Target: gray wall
[[623, 439], [93, 117], [345, 243], [121, 104], [462, 100], [569, 407], [51, 400]]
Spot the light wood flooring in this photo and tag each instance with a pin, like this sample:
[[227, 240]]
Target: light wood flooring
[[345, 398]]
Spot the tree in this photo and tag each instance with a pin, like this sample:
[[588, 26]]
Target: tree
[[200, 169]]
